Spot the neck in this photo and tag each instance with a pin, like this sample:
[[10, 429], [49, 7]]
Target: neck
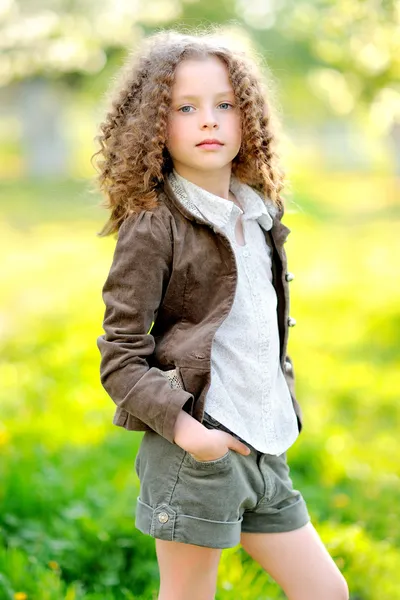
[[216, 182]]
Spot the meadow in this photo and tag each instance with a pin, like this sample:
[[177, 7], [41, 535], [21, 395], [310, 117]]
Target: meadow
[[67, 483]]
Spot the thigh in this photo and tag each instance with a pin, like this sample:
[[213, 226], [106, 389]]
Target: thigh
[[299, 563], [187, 571]]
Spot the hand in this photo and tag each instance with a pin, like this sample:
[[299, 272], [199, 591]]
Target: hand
[[215, 444], [202, 443]]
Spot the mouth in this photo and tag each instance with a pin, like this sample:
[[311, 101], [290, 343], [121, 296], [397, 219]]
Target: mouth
[[210, 144]]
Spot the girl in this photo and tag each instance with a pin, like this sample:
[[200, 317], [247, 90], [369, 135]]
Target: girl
[[196, 320]]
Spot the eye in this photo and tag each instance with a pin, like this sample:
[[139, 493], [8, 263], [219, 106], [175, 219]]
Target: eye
[[183, 109], [226, 105]]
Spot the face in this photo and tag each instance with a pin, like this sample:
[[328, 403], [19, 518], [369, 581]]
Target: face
[[203, 108]]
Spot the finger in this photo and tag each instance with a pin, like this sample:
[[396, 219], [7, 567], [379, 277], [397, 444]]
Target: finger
[[241, 448]]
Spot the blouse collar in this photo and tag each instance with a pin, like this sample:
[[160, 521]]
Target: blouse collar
[[219, 210]]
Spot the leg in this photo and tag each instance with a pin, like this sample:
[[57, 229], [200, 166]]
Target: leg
[[299, 563], [187, 571]]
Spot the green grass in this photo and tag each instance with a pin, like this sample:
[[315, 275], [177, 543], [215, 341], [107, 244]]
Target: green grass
[[67, 483]]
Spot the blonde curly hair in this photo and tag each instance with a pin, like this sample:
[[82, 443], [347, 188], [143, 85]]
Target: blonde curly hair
[[133, 156]]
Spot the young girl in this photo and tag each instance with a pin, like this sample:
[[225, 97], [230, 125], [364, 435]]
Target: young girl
[[197, 316]]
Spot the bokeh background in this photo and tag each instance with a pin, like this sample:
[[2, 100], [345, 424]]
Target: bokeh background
[[67, 484]]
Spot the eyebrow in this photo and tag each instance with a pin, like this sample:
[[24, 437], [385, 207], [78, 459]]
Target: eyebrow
[[190, 97]]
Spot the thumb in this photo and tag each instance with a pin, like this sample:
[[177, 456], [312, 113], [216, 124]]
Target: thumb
[[240, 447]]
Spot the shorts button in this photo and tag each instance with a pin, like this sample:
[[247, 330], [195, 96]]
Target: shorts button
[[163, 517]]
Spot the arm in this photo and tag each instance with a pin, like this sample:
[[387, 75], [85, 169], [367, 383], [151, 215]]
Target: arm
[[132, 293]]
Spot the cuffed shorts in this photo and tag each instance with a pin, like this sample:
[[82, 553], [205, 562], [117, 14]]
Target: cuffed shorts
[[209, 503]]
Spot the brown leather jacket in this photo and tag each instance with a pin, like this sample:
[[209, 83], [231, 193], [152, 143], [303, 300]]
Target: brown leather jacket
[[177, 271]]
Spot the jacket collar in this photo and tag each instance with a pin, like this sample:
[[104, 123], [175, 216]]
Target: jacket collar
[[183, 203]]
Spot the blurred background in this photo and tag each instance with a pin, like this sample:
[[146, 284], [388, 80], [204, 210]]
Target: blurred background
[[67, 484]]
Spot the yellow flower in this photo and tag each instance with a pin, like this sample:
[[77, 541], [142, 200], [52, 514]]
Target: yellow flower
[[53, 565], [20, 596], [341, 500]]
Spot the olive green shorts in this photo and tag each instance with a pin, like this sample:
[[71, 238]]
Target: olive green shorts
[[209, 503]]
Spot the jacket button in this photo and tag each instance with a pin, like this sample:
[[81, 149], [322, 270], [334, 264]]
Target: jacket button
[[163, 517], [288, 367], [291, 321], [199, 355], [289, 276]]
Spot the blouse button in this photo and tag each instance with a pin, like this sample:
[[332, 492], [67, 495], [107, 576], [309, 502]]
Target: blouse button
[[291, 321], [289, 276]]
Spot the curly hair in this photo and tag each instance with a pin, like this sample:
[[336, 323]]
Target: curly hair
[[133, 156]]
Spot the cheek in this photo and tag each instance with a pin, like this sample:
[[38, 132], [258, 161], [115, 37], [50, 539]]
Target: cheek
[[170, 135], [176, 135], [237, 128]]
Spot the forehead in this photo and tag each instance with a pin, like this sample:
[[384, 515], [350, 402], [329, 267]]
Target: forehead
[[200, 75]]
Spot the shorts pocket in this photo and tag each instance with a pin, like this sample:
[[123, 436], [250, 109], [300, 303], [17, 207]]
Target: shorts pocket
[[217, 463]]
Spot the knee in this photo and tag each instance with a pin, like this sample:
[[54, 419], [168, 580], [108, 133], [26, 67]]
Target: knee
[[341, 589], [333, 588]]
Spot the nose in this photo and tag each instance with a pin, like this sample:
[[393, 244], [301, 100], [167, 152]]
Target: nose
[[210, 125], [209, 120]]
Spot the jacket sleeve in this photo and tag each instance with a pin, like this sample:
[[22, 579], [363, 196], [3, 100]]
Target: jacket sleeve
[[132, 293]]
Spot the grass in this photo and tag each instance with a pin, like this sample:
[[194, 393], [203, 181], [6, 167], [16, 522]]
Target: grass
[[67, 483]]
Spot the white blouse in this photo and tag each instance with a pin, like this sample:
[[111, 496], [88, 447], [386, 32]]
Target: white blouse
[[248, 392]]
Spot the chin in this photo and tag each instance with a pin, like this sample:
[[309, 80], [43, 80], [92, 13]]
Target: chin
[[212, 162]]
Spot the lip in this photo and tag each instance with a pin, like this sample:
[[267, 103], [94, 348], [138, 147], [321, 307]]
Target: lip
[[210, 142]]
